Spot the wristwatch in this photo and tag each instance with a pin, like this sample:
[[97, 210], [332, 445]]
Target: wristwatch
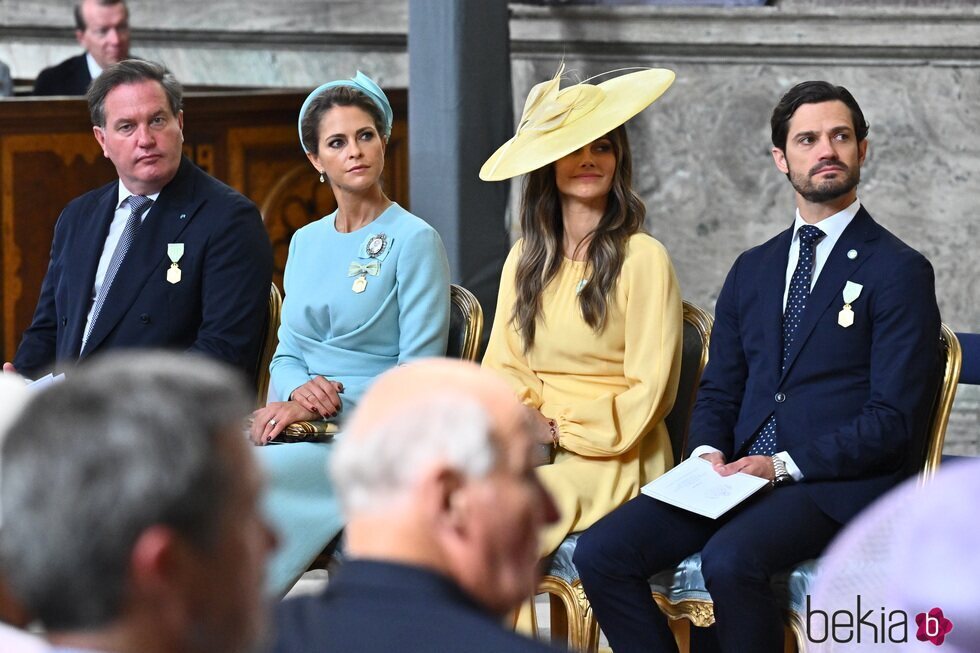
[[780, 475]]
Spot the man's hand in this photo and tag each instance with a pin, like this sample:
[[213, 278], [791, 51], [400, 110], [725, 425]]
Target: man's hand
[[320, 396], [760, 466], [9, 368], [717, 460]]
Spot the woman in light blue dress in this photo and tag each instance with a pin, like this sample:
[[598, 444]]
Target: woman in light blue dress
[[366, 288]]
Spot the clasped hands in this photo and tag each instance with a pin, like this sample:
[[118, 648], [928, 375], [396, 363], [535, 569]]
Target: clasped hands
[[760, 466], [315, 399]]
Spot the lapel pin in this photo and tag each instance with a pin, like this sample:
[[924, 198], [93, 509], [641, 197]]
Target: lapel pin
[[184, 215], [852, 254]]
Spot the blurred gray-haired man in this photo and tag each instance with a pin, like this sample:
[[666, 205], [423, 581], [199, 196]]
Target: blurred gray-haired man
[[130, 507]]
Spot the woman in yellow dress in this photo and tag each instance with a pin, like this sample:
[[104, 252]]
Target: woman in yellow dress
[[589, 321]]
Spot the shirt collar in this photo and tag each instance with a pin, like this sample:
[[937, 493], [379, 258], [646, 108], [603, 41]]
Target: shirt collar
[[124, 194], [833, 226], [93, 68]]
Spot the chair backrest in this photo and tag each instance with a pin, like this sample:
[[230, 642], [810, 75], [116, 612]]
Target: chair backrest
[[936, 433], [465, 324], [269, 343], [970, 348], [694, 356]]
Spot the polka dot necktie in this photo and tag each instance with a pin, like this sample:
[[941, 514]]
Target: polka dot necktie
[[137, 206], [799, 291]]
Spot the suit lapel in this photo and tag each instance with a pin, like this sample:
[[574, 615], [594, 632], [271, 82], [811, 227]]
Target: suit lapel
[[83, 263], [168, 217], [772, 287], [836, 271]]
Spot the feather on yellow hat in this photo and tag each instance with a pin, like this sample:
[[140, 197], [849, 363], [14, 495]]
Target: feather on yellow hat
[[557, 121]]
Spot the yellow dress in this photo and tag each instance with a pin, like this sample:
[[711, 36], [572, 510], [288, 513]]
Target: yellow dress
[[608, 391]]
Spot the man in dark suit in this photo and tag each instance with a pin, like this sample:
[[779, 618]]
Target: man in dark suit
[[436, 478], [167, 256], [102, 28], [823, 366]]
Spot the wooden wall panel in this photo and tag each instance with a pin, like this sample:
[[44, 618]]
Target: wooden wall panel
[[48, 156]]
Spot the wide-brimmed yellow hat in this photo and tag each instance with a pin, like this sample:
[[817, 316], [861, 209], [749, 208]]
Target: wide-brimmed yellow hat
[[557, 122]]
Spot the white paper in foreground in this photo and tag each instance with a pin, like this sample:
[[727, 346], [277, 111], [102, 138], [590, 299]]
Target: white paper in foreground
[[694, 485]]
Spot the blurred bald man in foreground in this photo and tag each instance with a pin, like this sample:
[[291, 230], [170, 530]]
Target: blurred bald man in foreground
[[435, 475]]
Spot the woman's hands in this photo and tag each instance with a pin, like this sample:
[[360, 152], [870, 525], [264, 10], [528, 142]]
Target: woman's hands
[[269, 422], [541, 427], [320, 395], [542, 432]]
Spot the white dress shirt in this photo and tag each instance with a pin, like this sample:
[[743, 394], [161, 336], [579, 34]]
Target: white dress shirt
[[93, 68], [116, 227], [832, 228]]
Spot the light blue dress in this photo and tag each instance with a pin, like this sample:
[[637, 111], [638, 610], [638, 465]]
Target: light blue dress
[[330, 330]]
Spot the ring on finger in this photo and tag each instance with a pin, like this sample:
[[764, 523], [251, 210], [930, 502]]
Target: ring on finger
[[273, 422]]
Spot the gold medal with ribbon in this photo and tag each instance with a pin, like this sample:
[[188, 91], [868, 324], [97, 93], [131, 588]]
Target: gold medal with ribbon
[[361, 271], [851, 292], [174, 251]]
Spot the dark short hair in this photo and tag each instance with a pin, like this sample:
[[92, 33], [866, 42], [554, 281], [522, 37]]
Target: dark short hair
[[125, 443], [343, 96], [813, 92], [131, 71], [80, 19]]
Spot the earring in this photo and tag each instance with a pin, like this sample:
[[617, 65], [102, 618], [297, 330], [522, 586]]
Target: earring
[[322, 178]]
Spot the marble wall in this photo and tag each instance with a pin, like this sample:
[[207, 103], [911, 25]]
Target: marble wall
[[702, 151]]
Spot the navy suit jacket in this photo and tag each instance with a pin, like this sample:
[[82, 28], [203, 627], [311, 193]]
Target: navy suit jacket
[[852, 404], [219, 307], [374, 606], [70, 77]]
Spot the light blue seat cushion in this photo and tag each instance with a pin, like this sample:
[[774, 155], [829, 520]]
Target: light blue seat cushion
[[561, 565], [685, 583]]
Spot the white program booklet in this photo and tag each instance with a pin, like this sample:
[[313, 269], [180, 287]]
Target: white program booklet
[[694, 485]]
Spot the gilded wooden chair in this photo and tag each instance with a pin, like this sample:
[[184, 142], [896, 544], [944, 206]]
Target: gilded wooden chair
[[269, 344], [571, 614], [465, 324], [680, 592]]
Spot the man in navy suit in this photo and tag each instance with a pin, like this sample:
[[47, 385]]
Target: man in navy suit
[[435, 474], [102, 28], [823, 366], [165, 257]]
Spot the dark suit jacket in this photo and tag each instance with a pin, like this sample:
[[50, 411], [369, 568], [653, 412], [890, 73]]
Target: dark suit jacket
[[218, 308], [70, 77], [852, 403], [382, 607]]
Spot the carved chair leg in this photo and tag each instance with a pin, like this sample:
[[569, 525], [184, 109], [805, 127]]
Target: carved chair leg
[[681, 629], [559, 620]]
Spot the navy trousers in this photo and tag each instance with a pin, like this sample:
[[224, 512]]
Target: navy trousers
[[740, 552]]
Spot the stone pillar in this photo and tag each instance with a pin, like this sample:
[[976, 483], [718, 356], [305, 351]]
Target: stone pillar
[[459, 112]]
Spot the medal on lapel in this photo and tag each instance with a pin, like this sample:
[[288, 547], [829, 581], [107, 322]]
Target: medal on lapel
[[175, 251], [361, 271], [374, 247], [851, 292], [376, 244]]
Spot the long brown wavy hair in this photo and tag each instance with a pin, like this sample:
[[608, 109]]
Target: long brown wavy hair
[[543, 231]]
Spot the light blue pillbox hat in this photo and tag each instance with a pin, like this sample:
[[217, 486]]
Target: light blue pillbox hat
[[362, 83]]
